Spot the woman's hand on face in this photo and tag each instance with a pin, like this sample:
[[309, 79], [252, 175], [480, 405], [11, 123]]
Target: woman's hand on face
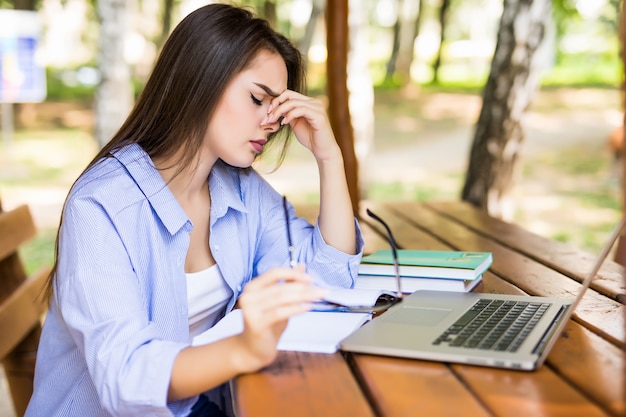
[[308, 120], [267, 302]]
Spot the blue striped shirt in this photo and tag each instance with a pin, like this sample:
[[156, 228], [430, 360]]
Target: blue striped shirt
[[118, 317]]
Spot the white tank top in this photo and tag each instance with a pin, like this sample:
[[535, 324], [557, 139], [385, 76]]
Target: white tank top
[[207, 296]]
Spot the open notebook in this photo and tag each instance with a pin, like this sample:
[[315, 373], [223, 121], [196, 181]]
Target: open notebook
[[494, 330], [313, 331]]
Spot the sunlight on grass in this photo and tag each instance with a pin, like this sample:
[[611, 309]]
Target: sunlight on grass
[[585, 200], [398, 191], [37, 169], [45, 158], [39, 251]]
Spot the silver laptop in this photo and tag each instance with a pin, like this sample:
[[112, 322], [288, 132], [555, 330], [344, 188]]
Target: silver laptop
[[503, 331]]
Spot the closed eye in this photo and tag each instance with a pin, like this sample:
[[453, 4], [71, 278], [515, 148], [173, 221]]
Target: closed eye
[[255, 100]]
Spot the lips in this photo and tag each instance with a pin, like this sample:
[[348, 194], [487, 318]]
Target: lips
[[258, 144]]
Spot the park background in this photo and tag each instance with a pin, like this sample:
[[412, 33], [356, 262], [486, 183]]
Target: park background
[[423, 124]]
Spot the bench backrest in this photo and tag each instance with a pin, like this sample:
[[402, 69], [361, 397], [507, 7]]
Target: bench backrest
[[21, 306]]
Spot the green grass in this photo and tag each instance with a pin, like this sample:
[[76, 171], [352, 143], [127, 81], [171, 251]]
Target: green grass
[[393, 191], [39, 251], [42, 163], [589, 198]]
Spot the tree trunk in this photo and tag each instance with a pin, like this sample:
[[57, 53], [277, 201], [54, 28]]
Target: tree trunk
[[269, 13], [114, 96], [395, 46], [24, 4], [408, 33], [443, 13], [306, 41], [361, 91], [166, 21], [497, 146]]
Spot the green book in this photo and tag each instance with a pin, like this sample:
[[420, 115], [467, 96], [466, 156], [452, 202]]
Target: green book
[[427, 263]]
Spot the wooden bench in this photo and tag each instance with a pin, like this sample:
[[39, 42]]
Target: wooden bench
[[21, 306]]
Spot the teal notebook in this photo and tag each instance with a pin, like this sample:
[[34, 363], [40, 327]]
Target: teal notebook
[[428, 263]]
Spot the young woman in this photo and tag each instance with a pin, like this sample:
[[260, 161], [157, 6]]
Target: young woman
[[168, 228]]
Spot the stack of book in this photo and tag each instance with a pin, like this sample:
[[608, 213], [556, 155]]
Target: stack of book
[[424, 270]]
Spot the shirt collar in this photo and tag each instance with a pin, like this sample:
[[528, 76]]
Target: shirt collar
[[142, 170], [226, 191]]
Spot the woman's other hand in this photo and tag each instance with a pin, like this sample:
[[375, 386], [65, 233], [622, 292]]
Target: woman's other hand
[[267, 302]]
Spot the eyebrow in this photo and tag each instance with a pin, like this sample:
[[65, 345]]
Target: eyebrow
[[268, 90]]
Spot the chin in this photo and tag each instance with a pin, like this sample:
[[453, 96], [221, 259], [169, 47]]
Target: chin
[[240, 164]]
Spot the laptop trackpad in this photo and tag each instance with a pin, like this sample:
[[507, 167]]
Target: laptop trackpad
[[418, 315]]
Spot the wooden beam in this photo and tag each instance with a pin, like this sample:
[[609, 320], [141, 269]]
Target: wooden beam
[[337, 89]]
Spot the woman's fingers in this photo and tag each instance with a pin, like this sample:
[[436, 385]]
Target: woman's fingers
[[280, 289], [308, 120], [267, 303], [291, 105]]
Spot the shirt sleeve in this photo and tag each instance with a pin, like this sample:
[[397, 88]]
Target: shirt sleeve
[[105, 310], [328, 265]]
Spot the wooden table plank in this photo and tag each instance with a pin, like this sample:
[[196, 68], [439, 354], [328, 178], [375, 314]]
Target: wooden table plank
[[562, 257], [592, 364], [405, 387], [588, 362], [516, 393], [401, 232], [300, 384]]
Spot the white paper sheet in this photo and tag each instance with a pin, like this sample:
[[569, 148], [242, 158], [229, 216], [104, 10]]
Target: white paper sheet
[[318, 332]]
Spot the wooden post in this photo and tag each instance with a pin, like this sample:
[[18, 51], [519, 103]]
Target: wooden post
[[337, 90]]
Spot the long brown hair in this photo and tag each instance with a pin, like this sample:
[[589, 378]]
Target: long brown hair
[[201, 56]]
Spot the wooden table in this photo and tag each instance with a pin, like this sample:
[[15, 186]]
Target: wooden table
[[584, 374]]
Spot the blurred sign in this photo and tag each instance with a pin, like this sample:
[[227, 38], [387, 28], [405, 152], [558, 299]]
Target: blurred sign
[[22, 78]]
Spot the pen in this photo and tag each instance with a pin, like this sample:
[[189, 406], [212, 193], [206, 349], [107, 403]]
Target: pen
[[290, 248]]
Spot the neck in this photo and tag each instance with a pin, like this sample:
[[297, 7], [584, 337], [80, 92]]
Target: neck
[[190, 181]]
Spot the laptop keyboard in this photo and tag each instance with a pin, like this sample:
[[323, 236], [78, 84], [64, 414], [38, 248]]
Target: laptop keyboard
[[494, 325]]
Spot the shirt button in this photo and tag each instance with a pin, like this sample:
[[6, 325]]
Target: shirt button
[[238, 288], [216, 247]]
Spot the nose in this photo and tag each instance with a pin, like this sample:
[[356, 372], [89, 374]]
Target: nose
[[271, 127]]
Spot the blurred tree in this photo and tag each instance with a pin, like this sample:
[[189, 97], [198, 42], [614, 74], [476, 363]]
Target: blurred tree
[[114, 95], [498, 141], [405, 30], [443, 15], [412, 17], [395, 46], [26, 4], [166, 22], [317, 11], [361, 90], [268, 12]]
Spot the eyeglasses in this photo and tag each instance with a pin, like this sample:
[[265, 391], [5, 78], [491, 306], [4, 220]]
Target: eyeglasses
[[383, 302]]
